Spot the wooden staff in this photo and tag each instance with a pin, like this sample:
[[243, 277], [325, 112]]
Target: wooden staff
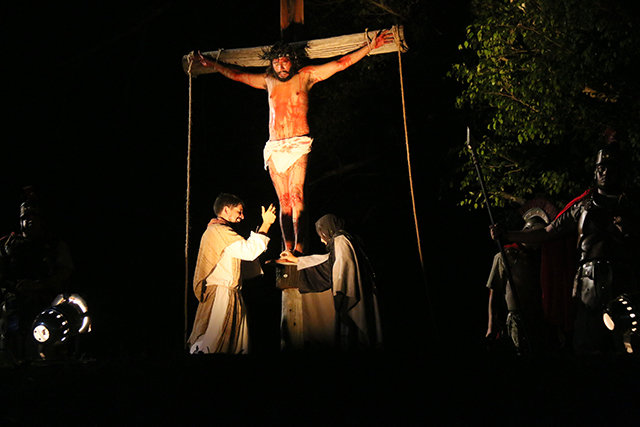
[[507, 268]]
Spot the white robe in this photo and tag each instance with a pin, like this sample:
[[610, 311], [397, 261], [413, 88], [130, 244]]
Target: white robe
[[228, 317]]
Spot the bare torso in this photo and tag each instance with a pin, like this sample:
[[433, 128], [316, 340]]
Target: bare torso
[[288, 106]]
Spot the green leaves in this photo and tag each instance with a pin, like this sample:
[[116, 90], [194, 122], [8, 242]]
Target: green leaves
[[541, 81]]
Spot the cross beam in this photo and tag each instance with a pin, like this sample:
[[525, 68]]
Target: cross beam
[[320, 48]]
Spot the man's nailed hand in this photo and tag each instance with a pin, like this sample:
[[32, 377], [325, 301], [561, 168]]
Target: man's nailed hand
[[383, 37], [198, 57]]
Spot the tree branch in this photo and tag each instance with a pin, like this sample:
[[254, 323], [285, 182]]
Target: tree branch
[[513, 98]]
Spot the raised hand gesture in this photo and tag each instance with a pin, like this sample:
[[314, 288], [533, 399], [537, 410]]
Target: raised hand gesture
[[269, 214]]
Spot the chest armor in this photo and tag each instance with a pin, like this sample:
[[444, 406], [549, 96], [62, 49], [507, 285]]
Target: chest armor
[[599, 236]]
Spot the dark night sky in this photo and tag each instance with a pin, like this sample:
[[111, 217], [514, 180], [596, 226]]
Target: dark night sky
[[96, 118]]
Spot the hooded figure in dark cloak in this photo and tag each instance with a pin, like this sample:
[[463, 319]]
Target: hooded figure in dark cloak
[[339, 301]]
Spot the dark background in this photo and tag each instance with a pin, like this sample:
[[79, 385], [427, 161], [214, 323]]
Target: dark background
[[96, 113]]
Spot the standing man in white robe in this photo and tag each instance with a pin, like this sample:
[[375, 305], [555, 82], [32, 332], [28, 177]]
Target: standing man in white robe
[[220, 325]]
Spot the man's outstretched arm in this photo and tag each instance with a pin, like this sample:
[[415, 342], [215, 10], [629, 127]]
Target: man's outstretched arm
[[254, 80], [324, 71]]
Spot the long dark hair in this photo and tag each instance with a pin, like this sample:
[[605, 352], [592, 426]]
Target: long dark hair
[[296, 52]]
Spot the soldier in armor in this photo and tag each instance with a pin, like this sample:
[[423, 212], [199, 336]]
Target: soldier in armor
[[34, 267], [520, 312], [606, 225]]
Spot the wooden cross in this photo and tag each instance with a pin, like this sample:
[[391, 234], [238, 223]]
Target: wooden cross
[[286, 275]]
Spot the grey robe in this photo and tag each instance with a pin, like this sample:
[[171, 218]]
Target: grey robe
[[339, 301]]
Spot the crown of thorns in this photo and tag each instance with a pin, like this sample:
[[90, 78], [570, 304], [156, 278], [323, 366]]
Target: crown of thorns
[[295, 52]]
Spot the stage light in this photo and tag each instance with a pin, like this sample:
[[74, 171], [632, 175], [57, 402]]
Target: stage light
[[67, 316], [622, 314]]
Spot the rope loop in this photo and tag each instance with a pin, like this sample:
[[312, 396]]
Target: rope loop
[[366, 37]]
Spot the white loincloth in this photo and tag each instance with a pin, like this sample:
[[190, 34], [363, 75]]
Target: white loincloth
[[285, 152]]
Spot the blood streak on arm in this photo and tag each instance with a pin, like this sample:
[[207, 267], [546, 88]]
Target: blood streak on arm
[[324, 71], [254, 80], [344, 62]]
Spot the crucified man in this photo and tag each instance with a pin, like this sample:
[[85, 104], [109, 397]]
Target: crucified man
[[287, 83]]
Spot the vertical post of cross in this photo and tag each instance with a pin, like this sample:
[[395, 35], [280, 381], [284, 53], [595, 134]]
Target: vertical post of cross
[[291, 326]]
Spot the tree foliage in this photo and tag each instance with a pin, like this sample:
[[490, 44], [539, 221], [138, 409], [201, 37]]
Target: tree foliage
[[541, 82]]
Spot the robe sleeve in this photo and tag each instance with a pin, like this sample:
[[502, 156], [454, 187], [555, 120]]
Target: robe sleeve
[[315, 273], [311, 261], [250, 249]]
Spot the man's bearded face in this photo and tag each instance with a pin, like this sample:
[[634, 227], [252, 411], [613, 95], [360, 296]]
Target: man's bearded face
[[233, 213], [282, 68]]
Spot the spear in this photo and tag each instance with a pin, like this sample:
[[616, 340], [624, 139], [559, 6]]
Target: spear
[[507, 268]]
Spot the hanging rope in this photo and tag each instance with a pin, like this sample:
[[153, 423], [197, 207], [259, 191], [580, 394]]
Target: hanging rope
[[187, 203], [188, 198], [413, 199], [406, 139]]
